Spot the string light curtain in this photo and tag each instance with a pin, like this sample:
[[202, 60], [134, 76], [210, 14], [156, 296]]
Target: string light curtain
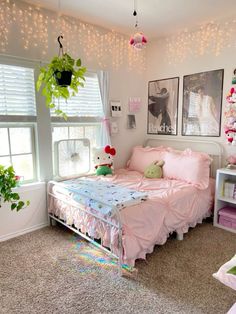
[[34, 29]]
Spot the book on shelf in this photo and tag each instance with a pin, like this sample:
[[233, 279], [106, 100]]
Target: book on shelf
[[229, 189]]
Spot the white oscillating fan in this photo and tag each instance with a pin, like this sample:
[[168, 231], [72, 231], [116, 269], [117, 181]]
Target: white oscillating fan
[[72, 157]]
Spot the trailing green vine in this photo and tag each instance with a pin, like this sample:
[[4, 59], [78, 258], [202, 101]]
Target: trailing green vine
[[8, 181], [48, 81]]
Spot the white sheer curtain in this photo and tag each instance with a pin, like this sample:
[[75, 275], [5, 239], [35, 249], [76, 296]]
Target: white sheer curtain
[[104, 90]]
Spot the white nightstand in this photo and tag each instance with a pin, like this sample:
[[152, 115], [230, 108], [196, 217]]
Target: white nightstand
[[220, 200]]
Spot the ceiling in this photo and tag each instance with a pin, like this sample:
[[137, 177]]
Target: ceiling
[[157, 18]]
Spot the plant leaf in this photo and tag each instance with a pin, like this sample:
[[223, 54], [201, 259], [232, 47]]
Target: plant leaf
[[78, 62], [232, 270]]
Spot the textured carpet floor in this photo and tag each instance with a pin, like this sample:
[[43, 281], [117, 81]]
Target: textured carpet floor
[[53, 271]]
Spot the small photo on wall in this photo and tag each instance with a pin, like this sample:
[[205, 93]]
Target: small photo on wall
[[114, 127], [163, 106], [202, 101], [131, 122], [116, 109]]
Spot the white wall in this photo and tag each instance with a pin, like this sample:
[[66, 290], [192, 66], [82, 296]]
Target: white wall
[[34, 216], [159, 68]]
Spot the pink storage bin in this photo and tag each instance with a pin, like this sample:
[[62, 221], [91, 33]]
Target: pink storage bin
[[227, 217]]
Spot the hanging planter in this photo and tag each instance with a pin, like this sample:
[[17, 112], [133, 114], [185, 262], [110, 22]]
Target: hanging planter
[[61, 78]]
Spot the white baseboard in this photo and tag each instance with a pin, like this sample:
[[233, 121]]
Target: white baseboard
[[23, 231]]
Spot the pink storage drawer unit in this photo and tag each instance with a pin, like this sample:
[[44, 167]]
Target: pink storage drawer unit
[[227, 217]]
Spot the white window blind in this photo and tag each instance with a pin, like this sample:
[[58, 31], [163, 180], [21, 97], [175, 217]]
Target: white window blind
[[17, 93], [87, 103]]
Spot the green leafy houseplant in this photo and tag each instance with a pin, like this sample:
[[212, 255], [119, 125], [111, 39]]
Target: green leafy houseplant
[[51, 78], [8, 181]]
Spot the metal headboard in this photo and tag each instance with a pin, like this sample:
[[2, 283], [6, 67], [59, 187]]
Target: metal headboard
[[214, 149]]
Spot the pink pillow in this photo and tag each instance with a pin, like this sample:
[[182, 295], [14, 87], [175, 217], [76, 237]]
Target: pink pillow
[[189, 166], [142, 157]]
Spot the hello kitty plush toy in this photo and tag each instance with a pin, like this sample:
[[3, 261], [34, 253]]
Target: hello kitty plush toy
[[103, 160]]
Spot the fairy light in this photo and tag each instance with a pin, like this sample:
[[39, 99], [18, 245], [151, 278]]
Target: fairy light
[[36, 27], [211, 38], [5, 24]]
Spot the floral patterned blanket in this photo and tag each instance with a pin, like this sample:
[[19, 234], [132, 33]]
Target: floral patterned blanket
[[105, 197]]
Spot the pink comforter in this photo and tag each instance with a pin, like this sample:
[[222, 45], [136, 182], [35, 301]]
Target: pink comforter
[[172, 205]]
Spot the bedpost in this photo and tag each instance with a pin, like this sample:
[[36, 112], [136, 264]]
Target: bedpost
[[179, 236]]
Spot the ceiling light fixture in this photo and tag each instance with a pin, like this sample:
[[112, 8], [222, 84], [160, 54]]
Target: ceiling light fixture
[[138, 40]]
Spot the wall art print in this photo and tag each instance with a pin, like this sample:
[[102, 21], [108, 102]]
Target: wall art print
[[163, 106], [202, 102]]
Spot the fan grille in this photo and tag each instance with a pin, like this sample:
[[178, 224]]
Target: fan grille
[[72, 157]]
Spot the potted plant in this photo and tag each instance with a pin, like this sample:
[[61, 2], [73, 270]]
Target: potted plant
[[61, 78], [8, 181]]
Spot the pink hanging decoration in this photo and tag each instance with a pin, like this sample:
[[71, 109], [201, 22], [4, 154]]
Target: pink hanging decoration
[[138, 41]]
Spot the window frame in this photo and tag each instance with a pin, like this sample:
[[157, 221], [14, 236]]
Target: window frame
[[17, 121], [32, 127], [81, 119]]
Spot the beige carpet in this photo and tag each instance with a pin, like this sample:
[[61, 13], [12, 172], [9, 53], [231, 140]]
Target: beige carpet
[[53, 271]]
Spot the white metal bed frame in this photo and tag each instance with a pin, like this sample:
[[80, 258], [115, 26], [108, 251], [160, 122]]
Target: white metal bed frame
[[118, 225], [212, 148]]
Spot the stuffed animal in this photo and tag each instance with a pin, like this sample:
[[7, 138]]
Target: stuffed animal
[[231, 97], [231, 136], [138, 40], [103, 160], [231, 162], [154, 171], [231, 159]]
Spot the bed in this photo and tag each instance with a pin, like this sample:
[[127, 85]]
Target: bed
[[173, 204]]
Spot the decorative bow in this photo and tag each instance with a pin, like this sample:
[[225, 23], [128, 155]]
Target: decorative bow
[[110, 150]]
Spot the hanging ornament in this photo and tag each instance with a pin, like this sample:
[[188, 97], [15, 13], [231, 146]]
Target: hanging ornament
[[138, 40]]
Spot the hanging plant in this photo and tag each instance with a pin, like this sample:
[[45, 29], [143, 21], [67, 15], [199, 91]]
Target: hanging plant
[[8, 181], [61, 78]]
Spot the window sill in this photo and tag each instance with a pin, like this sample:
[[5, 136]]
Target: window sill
[[30, 187]]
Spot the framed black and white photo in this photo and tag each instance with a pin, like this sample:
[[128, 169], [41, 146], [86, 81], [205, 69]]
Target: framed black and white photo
[[163, 106], [116, 109], [202, 102]]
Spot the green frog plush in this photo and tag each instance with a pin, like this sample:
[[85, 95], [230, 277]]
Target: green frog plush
[[154, 171]]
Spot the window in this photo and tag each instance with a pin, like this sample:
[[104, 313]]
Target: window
[[87, 103], [17, 120], [65, 132], [16, 149], [17, 92], [84, 113]]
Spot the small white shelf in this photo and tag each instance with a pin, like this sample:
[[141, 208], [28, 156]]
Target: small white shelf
[[225, 228], [227, 199], [221, 201]]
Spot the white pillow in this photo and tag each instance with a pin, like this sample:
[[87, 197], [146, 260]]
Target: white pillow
[[222, 275]]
